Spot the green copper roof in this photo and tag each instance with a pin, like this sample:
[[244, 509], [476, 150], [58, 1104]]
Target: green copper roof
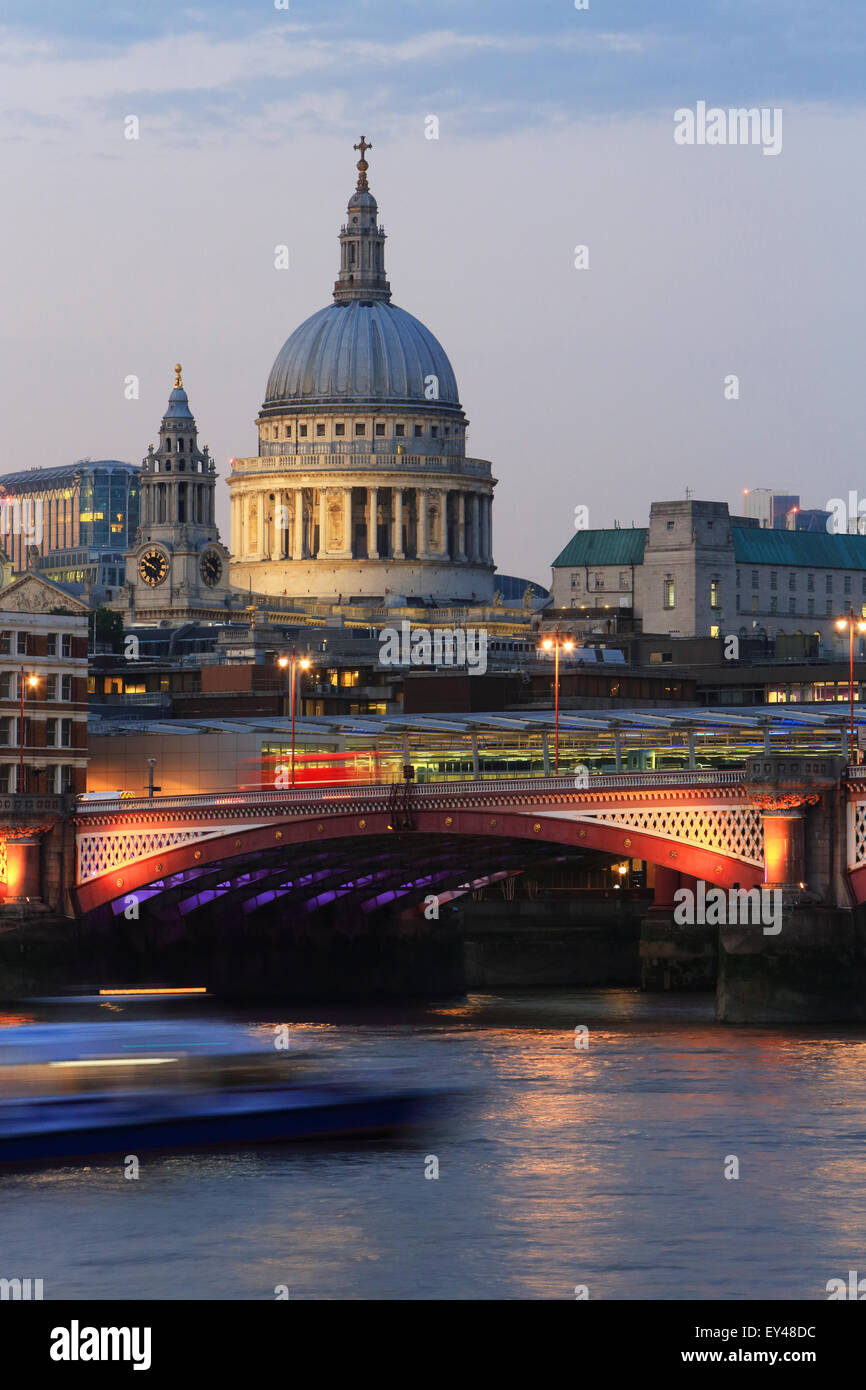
[[617, 547], [820, 549]]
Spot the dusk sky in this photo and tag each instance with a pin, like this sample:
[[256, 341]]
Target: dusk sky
[[601, 387]]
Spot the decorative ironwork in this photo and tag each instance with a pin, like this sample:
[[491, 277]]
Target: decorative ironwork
[[735, 831]]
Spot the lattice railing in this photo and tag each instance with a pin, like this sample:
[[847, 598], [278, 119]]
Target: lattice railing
[[735, 831], [856, 834], [99, 854]]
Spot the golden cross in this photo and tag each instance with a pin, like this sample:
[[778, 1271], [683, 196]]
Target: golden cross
[[362, 146]]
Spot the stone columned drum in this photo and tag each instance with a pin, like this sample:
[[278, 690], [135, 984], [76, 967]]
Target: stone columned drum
[[361, 486]]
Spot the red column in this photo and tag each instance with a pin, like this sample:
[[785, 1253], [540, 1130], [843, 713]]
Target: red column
[[784, 853], [23, 853], [667, 881]]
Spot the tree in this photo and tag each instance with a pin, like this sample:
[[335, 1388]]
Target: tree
[[108, 627]]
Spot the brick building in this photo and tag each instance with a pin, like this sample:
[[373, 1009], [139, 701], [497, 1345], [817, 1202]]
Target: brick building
[[43, 648]]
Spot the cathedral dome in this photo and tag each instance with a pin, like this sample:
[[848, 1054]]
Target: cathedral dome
[[355, 352]]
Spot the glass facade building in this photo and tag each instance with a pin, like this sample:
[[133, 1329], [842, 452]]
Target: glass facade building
[[85, 508]]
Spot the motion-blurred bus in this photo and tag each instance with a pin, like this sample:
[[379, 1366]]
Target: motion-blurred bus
[[326, 769]]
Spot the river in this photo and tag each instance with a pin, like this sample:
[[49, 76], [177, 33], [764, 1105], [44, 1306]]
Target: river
[[558, 1167]]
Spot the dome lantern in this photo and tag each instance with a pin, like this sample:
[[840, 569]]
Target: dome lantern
[[362, 244]]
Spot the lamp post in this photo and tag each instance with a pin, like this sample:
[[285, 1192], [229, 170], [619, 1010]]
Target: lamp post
[[841, 624], [291, 662], [554, 643], [32, 681]]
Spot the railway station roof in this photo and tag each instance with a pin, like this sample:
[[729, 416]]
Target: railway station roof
[[775, 717]]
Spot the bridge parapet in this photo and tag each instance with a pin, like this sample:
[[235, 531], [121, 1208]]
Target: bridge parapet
[[490, 787]]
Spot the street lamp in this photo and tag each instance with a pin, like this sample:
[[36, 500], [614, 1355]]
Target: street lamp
[[31, 681], [841, 624], [554, 643], [291, 662]]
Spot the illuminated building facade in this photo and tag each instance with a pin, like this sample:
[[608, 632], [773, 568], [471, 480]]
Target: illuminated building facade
[[361, 485], [62, 520]]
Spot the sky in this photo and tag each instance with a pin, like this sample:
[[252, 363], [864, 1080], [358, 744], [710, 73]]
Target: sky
[[601, 387]]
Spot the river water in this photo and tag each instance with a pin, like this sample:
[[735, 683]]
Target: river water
[[558, 1167]]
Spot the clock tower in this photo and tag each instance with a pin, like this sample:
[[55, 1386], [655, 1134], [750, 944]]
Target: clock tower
[[178, 568]]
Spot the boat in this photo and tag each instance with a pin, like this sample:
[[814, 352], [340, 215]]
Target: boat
[[72, 1091]]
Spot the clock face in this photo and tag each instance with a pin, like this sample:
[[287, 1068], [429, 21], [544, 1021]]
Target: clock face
[[153, 567], [211, 568]]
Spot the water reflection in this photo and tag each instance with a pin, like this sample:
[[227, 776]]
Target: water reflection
[[560, 1166]]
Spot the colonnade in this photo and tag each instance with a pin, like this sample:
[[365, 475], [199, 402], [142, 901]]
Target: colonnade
[[366, 522]]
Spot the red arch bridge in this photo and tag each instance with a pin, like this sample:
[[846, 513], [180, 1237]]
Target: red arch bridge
[[799, 822]]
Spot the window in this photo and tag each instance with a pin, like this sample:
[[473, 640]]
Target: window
[[792, 582], [339, 430], [380, 430], [810, 606], [434, 430], [288, 431], [774, 604], [715, 594], [302, 431], [67, 777], [738, 579], [66, 644], [738, 603], [8, 686], [599, 581], [58, 733], [400, 430], [669, 592], [320, 431], [51, 644], [6, 782], [418, 432], [846, 584], [670, 525], [7, 731], [792, 605], [6, 637], [754, 603], [360, 428], [21, 644], [65, 683], [810, 583], [774, 581], [828, 583], [623, 581], [755, 579], [829, 608]]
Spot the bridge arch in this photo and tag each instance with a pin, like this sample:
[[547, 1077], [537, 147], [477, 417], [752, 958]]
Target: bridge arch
[[262, 852]]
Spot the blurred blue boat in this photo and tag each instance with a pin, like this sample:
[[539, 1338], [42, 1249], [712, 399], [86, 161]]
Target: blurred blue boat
[[79, 1090]]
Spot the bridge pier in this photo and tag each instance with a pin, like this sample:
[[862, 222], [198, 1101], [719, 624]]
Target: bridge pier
[[675, 958], [813, 969]]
